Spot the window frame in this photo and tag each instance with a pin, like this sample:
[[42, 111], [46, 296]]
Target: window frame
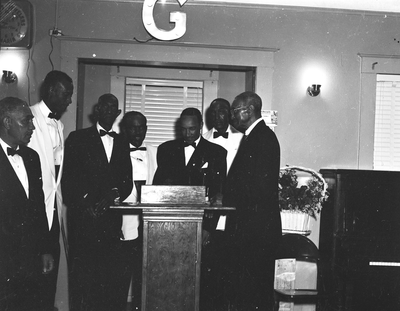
[[156, 93]]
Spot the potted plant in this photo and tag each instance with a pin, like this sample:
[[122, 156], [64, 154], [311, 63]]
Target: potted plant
[[301, 194]]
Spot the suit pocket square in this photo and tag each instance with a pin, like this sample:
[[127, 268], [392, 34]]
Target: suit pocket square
[[205, 165]]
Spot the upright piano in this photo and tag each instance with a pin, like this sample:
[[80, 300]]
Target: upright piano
[[360, 239]]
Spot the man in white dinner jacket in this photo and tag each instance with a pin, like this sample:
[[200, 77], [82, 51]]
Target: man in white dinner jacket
[[133, 128], [48, 141], [225, 135]]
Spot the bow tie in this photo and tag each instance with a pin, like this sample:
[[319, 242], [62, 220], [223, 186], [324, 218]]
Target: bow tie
[[112, 134], [218, 134], [185, 144], [53, 116], [12, 152], [138, 149]]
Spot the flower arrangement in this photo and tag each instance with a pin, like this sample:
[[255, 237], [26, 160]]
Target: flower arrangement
[[306, 198]]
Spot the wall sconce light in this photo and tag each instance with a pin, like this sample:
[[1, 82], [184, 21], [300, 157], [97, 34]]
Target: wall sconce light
[[9, 76], [314, 90]]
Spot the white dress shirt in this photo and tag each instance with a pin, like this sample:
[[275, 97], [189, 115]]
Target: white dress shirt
[[248, 131], [231, 144], [189, 150], [107, 140]]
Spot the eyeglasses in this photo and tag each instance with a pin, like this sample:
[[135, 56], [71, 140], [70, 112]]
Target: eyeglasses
[[235, 110]]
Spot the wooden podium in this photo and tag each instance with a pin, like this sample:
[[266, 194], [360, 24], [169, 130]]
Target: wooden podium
[[172, 238]]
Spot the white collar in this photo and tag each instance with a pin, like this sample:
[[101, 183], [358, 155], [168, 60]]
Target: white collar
[[142, 145], [251, 127], [4, 145], [99, 127], [44, 109], [196, 141], [228, 130]]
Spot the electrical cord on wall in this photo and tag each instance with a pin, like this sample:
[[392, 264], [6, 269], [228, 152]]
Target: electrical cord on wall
[[27, 76], [51, 51]]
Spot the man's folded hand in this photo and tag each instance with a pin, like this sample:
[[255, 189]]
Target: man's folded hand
[[110, 198]]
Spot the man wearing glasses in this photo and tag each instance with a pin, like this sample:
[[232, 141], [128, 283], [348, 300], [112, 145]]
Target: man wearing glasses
[[255, 227]]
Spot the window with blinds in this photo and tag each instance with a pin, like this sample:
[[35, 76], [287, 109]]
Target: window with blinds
[[162, 102], [387, 123]]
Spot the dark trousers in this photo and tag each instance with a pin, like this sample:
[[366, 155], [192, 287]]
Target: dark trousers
[[21, 292], [92, 275], [214, 273], [251, 273], [129, 268], [49, 281]]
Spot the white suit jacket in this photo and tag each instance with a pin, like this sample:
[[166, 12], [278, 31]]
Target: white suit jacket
[[41, 143], [231, 144], [130, 223], [152, 164]]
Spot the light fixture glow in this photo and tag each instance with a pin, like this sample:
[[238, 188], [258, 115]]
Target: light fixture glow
[[313, 77], [9, 76], [314, 90], [12, 61]]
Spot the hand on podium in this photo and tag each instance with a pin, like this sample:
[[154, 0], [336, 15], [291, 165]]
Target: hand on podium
[[111, 197], [216, 200]]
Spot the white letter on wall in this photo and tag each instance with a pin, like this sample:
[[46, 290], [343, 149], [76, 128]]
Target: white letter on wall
[[178, 18]]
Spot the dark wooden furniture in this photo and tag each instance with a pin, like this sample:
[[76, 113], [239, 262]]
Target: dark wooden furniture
[[360, 239], [171, 255]]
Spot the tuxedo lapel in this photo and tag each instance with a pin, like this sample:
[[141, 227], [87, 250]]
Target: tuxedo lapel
[[33, 174], [237, 161], [198, 157], [248, 140], [180, 153], [13, 183], [97, 148], [117, 148]]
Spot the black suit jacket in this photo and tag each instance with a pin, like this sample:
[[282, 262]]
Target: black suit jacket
[[172, 169], [24, 234], [87, 177], [252, 187]]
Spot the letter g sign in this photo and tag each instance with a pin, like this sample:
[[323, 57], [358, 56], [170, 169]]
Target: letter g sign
[[178, 18]]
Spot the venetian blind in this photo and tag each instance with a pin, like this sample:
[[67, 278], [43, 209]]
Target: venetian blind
[[162, 102], [387, 123]]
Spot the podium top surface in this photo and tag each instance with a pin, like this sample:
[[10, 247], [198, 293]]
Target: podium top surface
[[145, 206]]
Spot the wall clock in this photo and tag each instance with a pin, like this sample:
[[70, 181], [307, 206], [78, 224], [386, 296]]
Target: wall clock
[[16, 24]]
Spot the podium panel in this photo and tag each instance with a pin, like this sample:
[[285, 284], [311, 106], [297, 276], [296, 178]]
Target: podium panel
[[172, 241], [171, 258]]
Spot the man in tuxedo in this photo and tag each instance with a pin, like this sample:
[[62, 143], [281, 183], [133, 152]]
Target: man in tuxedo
[[191, 160], [25, 256], [214, 261], [48, 141], [133, 127], [222, 133], [255, 227], [97, 174]]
